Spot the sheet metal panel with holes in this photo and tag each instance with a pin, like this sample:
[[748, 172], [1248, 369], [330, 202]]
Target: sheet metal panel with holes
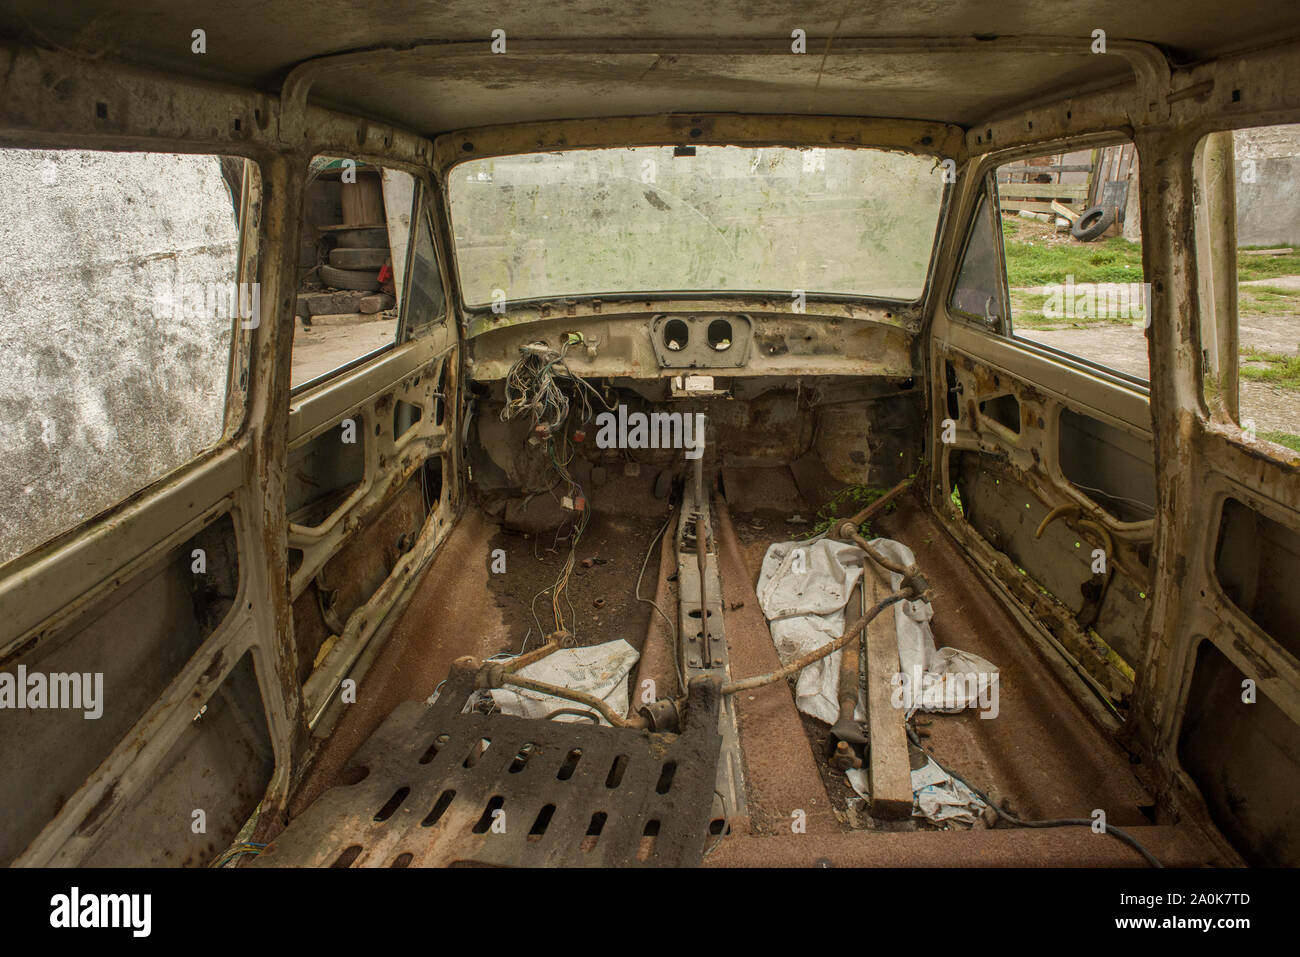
[[570, 794]]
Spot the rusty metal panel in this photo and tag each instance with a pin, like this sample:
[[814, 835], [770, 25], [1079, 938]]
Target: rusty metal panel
[[575, 795]]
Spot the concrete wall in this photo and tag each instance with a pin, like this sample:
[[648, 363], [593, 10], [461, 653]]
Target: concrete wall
[[108, 379], [1268, 185]]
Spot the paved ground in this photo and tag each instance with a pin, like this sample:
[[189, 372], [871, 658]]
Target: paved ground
[[332, 341], [1124, 347]]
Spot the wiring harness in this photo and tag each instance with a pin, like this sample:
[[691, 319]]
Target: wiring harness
[[536, 387]]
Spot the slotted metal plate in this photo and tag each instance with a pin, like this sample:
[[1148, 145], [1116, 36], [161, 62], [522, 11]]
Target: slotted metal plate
[[537, 793]]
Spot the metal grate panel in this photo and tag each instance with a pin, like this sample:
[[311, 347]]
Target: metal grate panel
[[570, 794]]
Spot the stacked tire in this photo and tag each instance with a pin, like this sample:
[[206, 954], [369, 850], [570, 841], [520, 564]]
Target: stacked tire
[[355, 261]]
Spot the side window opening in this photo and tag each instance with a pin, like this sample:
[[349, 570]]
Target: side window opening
[[978, 290], [352, 261], [1072, 248], [427, 302], [122, 298], [1248, 254]]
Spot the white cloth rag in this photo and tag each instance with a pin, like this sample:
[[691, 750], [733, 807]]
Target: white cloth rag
[[803, 589], [599, 670]]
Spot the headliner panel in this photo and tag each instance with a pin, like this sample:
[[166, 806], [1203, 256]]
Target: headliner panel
[[470, 92], [254, 44]]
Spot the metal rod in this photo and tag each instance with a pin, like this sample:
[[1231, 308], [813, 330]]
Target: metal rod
[[849, 658], [591, 701], [850, 525], [537, 654], [748, 684], [701, 559], [881, 560], [701, 553]]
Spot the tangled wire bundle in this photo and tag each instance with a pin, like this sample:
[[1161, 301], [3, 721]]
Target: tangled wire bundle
[[533, 388]]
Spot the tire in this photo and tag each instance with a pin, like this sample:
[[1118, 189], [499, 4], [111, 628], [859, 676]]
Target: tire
[[367, 259], [1094, 221], [363, 281], [362, 237]]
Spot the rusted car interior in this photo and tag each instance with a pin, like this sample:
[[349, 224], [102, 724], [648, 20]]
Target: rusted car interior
[[311, 535]]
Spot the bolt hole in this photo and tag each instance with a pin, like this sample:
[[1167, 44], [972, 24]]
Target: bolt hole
[[485, 821], [348, 856], [392, 804], [433, 749], [616, 772], [666, 777], [593, 831], [570, 764], [439, 809], [542, 822], [477, 751], [521, 759]]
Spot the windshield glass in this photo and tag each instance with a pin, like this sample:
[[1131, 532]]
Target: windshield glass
[[724, 219]]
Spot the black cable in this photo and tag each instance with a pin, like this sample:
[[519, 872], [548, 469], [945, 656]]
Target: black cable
[[1123, 835]]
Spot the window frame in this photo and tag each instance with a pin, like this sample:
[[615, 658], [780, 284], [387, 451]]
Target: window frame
[[986, 171], [422, 194], [236, 409], [467, 312], [422, 213], [1209, 320]]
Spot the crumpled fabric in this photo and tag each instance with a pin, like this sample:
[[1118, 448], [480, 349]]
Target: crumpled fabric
[[936, 796], [600, 670], [943, 799], [803, 588]]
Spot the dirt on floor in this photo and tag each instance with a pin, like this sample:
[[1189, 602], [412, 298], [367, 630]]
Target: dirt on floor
[[601, 605], [850, 809]]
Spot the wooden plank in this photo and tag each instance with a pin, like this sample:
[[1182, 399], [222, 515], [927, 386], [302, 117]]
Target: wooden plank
[[891, 768], [362, 201], [1025, 205], [1055, 190], [1092, 181], [1065, 212], [1053, 168]]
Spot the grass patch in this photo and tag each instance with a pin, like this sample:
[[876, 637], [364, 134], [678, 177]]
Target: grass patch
[[1267, 267], [1278, 369], [1267, 300], [1038, 264], [1028, 311], [1292, 442]]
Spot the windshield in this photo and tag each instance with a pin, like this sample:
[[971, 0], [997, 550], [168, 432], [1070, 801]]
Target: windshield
[[722, 219]]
